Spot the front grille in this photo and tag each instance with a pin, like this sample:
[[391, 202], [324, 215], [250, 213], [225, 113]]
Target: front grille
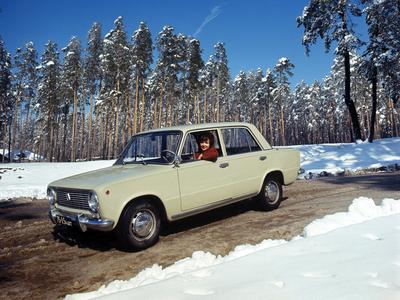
[[73, 198]]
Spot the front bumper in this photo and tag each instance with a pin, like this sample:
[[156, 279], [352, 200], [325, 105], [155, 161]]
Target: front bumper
[[80, 220]]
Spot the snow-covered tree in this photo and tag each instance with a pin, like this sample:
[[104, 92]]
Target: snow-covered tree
[[25, 64], [220, 58], [283, 70], [6, 100], [168, 67], [115, 65], [241, 96], [92, 76], [72, 79], [48, 102], [331, 20], [206, 81], [383, 51], [142, 58], [193, 67]]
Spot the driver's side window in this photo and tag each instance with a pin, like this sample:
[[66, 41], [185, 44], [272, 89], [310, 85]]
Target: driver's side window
[[189, 148]]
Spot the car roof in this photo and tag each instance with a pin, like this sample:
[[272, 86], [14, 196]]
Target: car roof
[[206, 126], [190, 127]]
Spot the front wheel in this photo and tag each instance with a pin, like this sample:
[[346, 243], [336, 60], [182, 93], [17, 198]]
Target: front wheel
[[270, 196], [139, 226]]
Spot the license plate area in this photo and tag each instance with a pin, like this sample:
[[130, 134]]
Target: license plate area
[[63, 221]]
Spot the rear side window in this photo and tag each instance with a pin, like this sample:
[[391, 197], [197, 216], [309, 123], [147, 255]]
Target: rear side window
[[238, 141]]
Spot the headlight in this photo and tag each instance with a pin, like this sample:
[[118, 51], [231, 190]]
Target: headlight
[[51, 196], [93, 202]]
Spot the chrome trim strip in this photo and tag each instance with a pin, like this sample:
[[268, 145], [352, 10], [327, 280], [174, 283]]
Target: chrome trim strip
[[211, 207]]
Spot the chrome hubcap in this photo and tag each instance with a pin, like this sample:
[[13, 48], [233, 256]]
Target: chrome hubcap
[[271, 192], [143, 224]]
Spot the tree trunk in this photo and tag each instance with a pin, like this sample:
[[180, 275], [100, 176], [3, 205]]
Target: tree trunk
[[64, 155], [160, 106], [136, 105], [142, 107], [205, 106], [15, 124], [74, 127], [347, 99], [90, 146], [271, 132], [82, 134], [373, 108], [4, 141], [217, 104], [129, 116], [283, 141], [115, 146]]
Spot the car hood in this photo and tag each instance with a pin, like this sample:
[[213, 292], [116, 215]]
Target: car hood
[[105, 177]]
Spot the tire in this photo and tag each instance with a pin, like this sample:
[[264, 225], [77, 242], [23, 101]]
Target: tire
[[139, 226], [270, 196]]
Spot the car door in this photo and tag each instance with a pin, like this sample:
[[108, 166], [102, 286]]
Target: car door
[[246, 161], [202, 183]]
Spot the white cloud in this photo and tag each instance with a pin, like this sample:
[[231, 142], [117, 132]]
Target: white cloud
[[211, 16]]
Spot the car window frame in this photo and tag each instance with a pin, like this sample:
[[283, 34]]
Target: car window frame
[[119, 161], [251, 134], [219, 138]]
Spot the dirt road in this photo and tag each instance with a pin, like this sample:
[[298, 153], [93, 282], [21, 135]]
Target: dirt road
[[38, 263]]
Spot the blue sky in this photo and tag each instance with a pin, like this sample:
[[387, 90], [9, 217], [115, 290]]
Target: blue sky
[[256, 33]]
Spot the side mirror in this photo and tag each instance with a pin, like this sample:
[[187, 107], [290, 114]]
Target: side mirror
[[177, 161]]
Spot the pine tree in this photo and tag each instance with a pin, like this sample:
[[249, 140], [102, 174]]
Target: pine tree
[[269, 88], [194, 65], [72, 78], [255, 81], [240, 96], [383, 51], [331, 21], [6, 101], [92, 76], [282, 70], [30, 90], [115, 64], [168, 67], [19, 86], [142, 58], [222, 78], [206, 78], [48, 100]]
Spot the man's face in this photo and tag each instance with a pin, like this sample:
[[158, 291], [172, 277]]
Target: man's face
[[205, 144]]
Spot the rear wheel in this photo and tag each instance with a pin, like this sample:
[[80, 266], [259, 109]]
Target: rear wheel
[[270, 196], [139, 226]]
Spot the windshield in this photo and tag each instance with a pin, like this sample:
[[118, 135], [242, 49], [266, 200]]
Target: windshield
[[151, 148]]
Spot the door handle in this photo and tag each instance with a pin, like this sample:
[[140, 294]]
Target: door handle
[[263, 157], [224, 165]]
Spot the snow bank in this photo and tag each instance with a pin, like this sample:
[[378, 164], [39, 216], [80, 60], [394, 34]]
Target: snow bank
[[337, 158], [31, 179], [361, 210], [332, 260]]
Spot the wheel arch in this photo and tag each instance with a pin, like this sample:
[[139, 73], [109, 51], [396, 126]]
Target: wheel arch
[[277, 174], [156, 201]]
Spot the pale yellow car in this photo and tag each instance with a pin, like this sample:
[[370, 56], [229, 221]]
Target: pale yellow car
[[159, 178]]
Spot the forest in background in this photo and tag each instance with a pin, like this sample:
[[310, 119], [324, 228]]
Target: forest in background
[[84, 102]]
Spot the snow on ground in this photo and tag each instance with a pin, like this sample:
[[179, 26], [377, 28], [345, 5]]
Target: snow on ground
[[31, 179], [336, 158], [349, 255]]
